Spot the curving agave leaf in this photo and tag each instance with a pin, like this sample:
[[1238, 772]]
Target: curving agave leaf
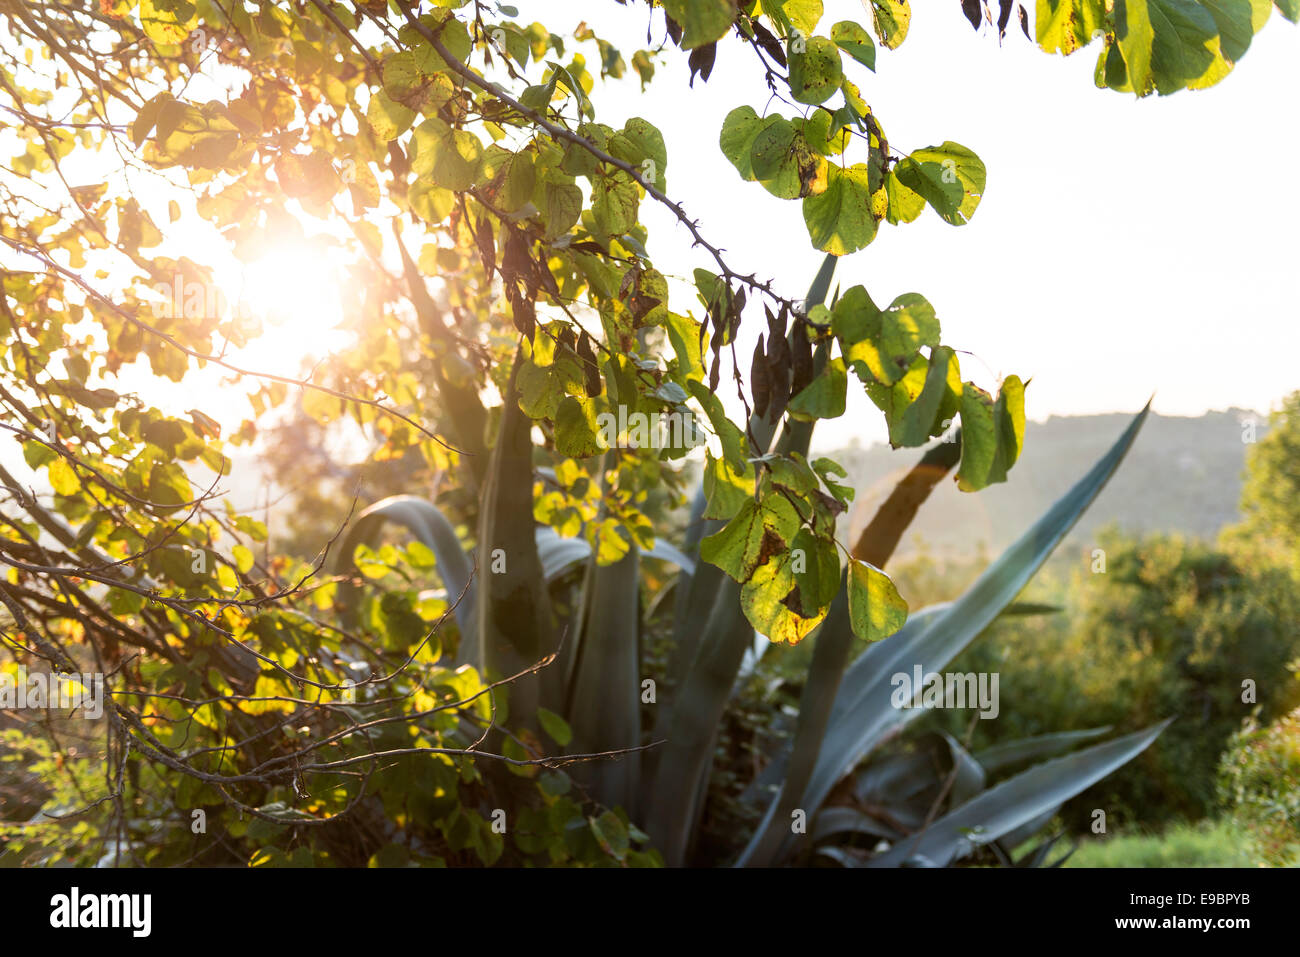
[[429, 526], [560, 554], [862, 715], [834, 821], [1023, 750], [604, 700], [1017, 801]]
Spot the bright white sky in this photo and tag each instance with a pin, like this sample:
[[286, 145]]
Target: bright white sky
[[1123, 246]]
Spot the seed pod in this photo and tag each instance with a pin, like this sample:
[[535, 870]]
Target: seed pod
[[802, 359], [760, 379], [590, 369]]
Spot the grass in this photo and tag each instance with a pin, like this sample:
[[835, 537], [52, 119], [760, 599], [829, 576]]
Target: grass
[[1221, 843]]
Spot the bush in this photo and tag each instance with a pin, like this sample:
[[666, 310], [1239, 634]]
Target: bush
[[1172, 628], [1259, 783]]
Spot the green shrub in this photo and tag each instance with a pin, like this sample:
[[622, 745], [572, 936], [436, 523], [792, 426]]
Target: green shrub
[[1259, 782], [1172, 628]]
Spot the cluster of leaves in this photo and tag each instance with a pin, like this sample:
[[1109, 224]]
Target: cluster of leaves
[[1270, 498], [1157, 46], [1259, 782]]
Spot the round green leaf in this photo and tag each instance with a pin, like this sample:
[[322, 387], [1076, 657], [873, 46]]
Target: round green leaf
[[876, 610], [815, 71], [839, 220]]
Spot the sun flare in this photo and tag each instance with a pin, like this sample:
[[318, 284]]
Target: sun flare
[[291, 296]]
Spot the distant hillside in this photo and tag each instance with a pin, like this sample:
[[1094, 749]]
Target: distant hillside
[[1182, 475]]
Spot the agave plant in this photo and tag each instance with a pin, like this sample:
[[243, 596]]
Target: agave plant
[[507, 622]]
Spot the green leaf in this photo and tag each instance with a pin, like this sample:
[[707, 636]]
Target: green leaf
[[614, 202], [513, 179], [1063, 26], [576, 433], [891, 19], [555, 726], [950, 177], [815, 71], [641, 140], [736, 140], [168, 22], [783, 162], [885, 343], [773, 604], [839, 220], [243, 558], [804, 15], [735, 447], [1185, 51], [992, 433], [856, 42], [63, 478], [824, 397], [876, 610], [815, 563], [725, 489], [611, 834], [920, 419], [702, 21], [1237, 23], [759, 531], [560, 201], [451, 157], [1166, 46], [388, 119]]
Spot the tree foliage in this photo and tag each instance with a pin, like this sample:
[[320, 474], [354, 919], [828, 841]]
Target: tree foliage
[[500, 301]]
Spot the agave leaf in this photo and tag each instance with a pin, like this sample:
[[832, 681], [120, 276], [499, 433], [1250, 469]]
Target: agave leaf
[[834, 641], [895, 778], [1020, 799], [968, 779], [560, 554], [604, 707], [1023, 750], [863, 715], [515, 630], [429, 526], [821, 284], [1017, 836], [832, 821], [696, 713], [840, 856], [1024, 609], [708, 661]]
